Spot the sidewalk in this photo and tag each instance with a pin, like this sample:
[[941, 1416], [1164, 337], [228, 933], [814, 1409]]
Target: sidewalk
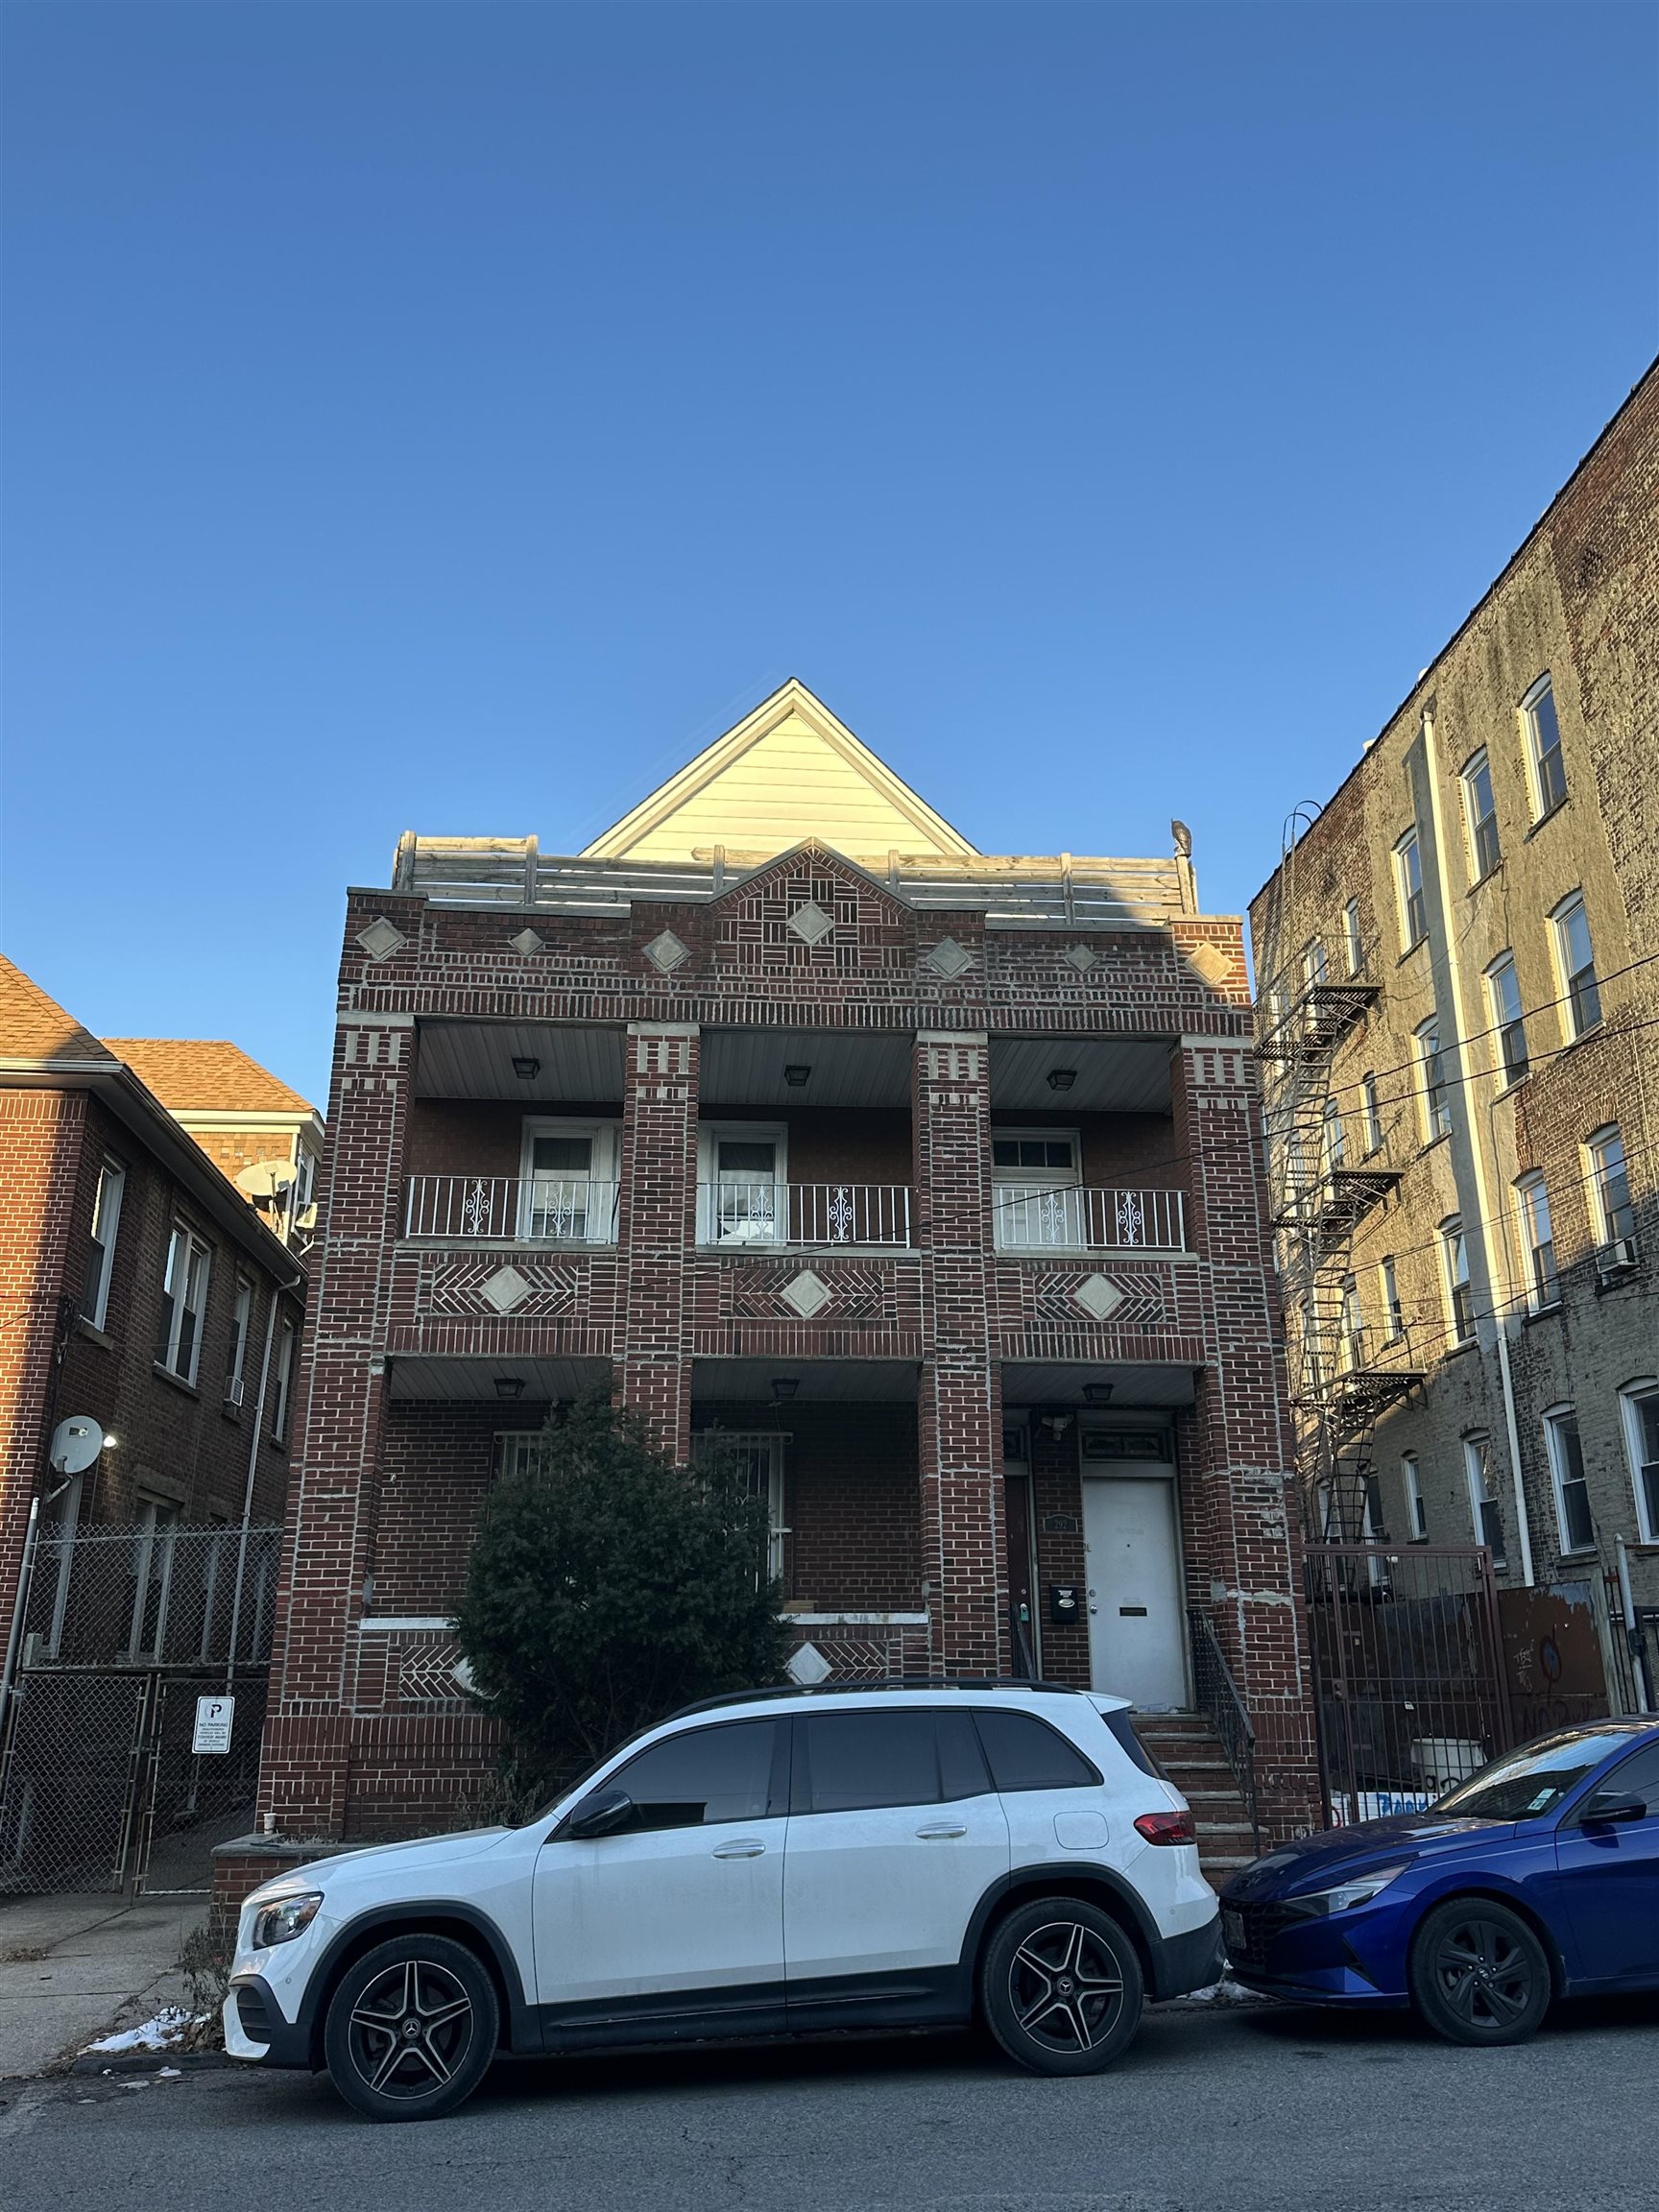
[[72, 1966]]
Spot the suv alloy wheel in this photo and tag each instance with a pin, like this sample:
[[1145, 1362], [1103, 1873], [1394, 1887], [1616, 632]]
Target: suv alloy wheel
[[411, 2029], [1061, 1986]]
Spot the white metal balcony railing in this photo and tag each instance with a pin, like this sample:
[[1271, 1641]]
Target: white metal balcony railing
[[537, 1209], [1037, 1217], [803, 1213]]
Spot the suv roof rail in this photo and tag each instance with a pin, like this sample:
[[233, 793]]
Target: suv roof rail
[[973, 1682]]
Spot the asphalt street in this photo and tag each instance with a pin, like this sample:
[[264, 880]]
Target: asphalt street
[[1238, 2110]]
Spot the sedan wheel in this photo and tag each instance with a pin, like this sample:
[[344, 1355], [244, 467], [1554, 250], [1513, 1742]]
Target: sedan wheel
[[411, 2029], [1061, 1986], [1478, 1974]]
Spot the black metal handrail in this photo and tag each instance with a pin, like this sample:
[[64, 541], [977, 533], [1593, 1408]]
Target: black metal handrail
[[1218, 1701]]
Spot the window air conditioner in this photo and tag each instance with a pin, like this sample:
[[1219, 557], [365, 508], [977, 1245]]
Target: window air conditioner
[[1612, 1258], [233, 1390]]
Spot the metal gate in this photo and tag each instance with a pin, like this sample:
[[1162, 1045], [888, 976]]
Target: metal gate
[[1407, 1671], [124, 1629]]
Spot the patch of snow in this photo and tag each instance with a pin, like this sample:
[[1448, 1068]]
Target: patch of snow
[[1227, 1991], [167, 2027]]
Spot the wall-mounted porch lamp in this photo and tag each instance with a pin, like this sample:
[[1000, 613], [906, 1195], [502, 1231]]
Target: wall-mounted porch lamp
[[526, 1067], [1062, 1078], [786, 1386], [1097, 1393], [509, 1385], [796, 1075]]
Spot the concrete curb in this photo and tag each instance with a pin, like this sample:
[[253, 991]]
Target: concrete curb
[[96, 2062]]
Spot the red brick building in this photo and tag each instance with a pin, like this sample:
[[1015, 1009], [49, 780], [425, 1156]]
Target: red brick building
[[138, 1287], [932, 1177]]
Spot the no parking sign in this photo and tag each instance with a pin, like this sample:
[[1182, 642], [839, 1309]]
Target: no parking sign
[[213, 1718]]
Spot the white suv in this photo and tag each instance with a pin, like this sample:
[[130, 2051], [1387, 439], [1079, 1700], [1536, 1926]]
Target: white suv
[[785, 1862]]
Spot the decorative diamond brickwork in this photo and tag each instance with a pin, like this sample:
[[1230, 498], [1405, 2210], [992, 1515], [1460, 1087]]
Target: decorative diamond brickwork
[[536, 1291], [811, 923], [505, 1289], [1099, 1297], [949, 959], [1082, 957], [667, 953], [808, 1294], [381, 938], [808, 1665], [526, 943]]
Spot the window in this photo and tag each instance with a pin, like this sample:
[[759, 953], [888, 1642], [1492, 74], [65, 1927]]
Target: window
[[517, 1452], [1035, 1179], [1641, 1407], [1610, 1182], [1566, 1472], [1393, 1313], [1416, 1512], [856, 1761], [744, 1194], [1333, 1142], [1637, 1777], [1537, 1241], [1026, 1753], [1352, 1324], [1313, 961], [1544, 747], [1409, 882], [1480, 816], [101, 1253], [184, 1301], [1576, 958], [758, 1458], [156, 1524], [567, 1188], [1483, 1506], [1353, 948], [236, 1373], [1454, 1251], [1437, 1092], [282, 1382], [705, 1778], [1370, 1113], [1504, 996]]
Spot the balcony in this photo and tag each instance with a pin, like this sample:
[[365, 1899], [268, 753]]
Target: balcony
[[1037, 1218], [804, 1216], [510, 1210]]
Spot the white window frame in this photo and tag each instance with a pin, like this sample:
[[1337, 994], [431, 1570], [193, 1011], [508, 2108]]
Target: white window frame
[[1504, 971], [1632, 1396], [241, 1328], [1561, 919], [1409, 860], [1351, 1324], [1370, 1113], [1034, 1215], [605, 1138], [758, 1227], [195, 1248], [1560, 1475], [1353, 944], [1455, 1246], [1315, 962], [1478, 765], [1483, 1492], [1416, 1511], [1433, 1091], [1595, 1174], [282, 1379], [111, 1184], [157, 1521], [765, 1444], [1536, 751], [1543, 1275], [1393, 1313], [1332, 1137]]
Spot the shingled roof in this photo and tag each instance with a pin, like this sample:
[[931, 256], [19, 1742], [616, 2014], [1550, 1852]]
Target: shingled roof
[[34, 1027], [206, 1075]]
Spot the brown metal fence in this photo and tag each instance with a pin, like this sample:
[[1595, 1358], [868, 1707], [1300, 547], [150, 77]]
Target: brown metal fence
[[123, 1631], [1408, 1672]]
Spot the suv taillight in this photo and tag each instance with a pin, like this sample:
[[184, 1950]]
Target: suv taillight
[[1167, 1828]]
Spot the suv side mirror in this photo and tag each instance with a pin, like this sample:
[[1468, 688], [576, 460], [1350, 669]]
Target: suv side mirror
[[600, 1815], [1603, 1812]]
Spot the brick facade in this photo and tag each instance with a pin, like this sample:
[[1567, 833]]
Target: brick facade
[[656, 1013]]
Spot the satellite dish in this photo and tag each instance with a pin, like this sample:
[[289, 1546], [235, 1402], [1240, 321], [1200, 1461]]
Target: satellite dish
[[267, 1178], [76, 1444]]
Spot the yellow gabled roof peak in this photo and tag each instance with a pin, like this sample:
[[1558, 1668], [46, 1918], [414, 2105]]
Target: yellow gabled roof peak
[[789, 771]]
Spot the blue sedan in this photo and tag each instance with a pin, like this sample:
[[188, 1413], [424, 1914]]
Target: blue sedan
[[1537, 1879]]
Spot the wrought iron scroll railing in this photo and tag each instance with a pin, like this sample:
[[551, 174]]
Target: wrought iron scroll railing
[[1219, 1699], [1039, 1217]]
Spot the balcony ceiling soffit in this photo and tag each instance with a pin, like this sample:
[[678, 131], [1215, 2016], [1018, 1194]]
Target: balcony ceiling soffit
[[450, 1381], [745, 1068], [474, 1060], [1034, 1384], [1113, 1076], [839, 1382]]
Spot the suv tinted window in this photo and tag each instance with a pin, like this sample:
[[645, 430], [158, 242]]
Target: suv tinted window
[[1123, 1729], [706, 1775], [962, 1770], [1024, 1753], [858, 1760]]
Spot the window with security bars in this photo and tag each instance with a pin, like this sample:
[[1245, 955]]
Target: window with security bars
[[1575, 956], [1483, 1507], [1572, 1515], [1537, 1241], [758, 1458], [1544, 747], [1480, 816], [1504, 993]]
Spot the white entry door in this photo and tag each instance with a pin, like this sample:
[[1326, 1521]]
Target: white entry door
[[1137, 1627]]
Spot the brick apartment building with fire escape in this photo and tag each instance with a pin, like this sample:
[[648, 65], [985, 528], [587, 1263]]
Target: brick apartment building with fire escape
[[930, 1177]]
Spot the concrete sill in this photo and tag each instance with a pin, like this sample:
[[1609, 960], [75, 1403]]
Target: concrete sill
[[175, 1382], [1548, 815], [1541, 1313], [93, 1334]]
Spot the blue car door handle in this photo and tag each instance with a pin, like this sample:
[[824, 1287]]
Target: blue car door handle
[[742, 1847]]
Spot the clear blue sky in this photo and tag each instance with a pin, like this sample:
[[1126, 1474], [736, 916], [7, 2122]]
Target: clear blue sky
[[452, 416]]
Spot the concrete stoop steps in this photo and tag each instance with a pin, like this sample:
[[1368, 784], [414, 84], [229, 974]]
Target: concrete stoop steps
[[1186, 1746]]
